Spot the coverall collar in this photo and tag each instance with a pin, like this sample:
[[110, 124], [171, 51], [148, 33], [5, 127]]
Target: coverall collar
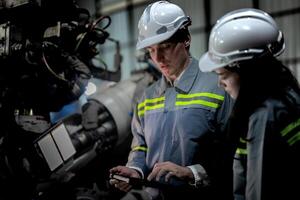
[[185, 82]]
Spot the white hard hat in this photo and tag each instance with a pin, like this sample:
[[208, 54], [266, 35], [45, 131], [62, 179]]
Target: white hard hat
[[159, 21], [241, 35]]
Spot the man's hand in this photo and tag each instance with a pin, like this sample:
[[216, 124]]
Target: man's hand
[[170, 169], [123, 171]]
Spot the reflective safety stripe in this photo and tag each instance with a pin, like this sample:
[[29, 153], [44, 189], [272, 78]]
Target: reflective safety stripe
[[210, 99], [242, 140], [150, 104], [199, 102], [154, 100], [203, 98], [201, 94], [140, 148], [241, 151], [292, 132], [294, 139], [147, 108]]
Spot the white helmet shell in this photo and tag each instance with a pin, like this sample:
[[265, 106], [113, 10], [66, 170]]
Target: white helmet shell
[[241, 35], [159, 21]]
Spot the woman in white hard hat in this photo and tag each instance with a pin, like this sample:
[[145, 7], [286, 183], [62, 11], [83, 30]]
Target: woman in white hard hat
[[265, 121], [178, 123]]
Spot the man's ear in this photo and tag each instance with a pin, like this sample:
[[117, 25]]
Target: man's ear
[[188, 42]]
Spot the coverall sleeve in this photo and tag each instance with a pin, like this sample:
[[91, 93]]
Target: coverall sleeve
[[137, 155], [205, 174]]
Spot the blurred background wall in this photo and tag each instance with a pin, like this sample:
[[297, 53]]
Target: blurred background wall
[[204, 13]]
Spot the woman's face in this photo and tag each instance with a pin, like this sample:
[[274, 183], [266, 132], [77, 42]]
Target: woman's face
[[229, 80]]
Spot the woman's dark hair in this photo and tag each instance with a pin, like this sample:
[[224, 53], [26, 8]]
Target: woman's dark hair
[[260, 79]]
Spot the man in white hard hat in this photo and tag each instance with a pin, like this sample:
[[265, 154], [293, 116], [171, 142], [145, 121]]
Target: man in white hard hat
[[178, 123]]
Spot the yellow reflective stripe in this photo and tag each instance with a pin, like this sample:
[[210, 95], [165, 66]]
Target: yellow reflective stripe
[[241, 151], [147, 108], [141, 113], [242, 140], [290, 127], [294, 139], [291, 139], [140, 148], [154, 107], [140, 105], [154, 100], [199, 102], [201, 94], [143, 107]]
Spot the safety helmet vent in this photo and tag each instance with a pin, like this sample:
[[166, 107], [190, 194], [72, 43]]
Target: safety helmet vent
[[159, 21]]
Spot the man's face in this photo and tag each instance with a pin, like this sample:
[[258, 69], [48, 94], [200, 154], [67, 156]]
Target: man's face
[[230, 81], [170, 58]]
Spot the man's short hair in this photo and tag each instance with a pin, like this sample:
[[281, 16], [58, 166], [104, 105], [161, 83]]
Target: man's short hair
[[181, 35]]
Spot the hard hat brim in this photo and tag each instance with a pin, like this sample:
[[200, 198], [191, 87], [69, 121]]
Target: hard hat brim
[[206, 64], [154, 40]]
